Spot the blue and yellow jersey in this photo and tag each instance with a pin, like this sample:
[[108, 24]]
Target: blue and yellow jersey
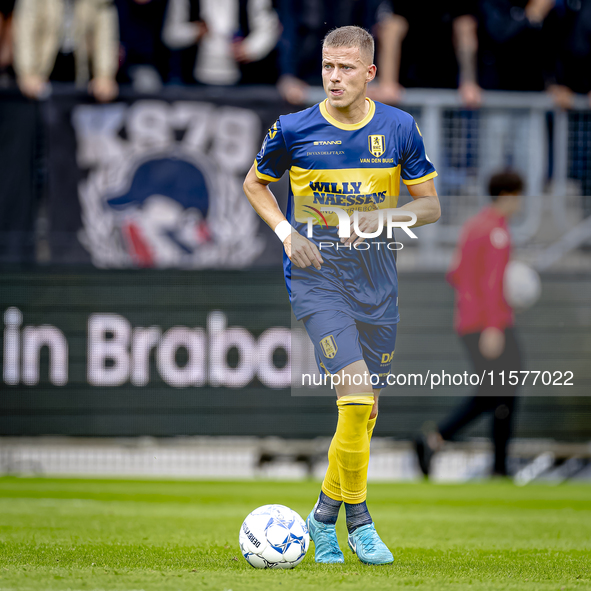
[[356, 167]]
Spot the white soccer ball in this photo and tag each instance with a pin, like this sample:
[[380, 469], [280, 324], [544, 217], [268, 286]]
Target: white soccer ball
[[521, 285], [274, 536]]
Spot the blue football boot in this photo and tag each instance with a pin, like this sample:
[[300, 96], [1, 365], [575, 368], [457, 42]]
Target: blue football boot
[[368, 546], [326, 545]]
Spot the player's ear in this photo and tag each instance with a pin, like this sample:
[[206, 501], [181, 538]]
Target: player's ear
[[371, 73]]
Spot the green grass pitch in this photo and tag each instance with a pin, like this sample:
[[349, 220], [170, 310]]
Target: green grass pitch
[[117, 535]]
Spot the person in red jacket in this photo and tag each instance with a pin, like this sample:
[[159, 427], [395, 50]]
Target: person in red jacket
[[484, 320]]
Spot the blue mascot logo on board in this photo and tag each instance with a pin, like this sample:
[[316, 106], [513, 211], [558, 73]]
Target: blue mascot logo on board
[[163, 216], [153, 200]]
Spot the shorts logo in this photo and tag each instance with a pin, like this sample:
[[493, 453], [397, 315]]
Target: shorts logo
[[377, 144], [387, 357], [329, 347]]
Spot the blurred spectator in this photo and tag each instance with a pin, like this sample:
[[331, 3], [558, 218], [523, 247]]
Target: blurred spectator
[[513, 47], [6, 8], [430, 44], [570, 30], [145, 58], [305, 24], [484, 322], [183, 30], [236, 39], [66, 40]]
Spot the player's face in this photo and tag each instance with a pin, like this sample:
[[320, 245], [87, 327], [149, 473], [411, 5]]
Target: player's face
[[511, 203], [345, 76], [514, 204]]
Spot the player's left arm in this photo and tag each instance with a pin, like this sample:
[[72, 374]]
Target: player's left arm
[[417, 174], [425, 204]]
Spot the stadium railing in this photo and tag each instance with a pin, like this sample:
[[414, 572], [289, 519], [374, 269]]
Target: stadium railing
[[550, 147]]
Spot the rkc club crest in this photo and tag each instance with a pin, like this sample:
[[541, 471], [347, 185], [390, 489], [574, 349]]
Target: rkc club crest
[[377, 144], [329, 347]]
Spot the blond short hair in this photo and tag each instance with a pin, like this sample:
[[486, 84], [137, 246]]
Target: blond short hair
[[351, 37]]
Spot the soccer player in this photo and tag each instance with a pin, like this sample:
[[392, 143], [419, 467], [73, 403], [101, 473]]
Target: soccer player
[[484, 321], [346, 152]]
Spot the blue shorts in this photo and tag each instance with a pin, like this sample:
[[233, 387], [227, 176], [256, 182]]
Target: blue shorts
[[340, 340]]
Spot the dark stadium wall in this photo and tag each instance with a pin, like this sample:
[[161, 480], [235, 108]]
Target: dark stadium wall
[[20, 152], [110, 330], [115, 353]]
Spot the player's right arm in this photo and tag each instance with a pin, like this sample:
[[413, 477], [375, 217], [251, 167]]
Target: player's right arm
[[270, 164], [299, 249], [493, 261]]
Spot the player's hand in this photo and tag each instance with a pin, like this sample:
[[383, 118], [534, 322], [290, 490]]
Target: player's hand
[[390, 93], [470, 95], [292, 89], [239, 52], [32, 85], [200, 30], [537, 10], [368, 222], [302, 252], [103, 88], [492, 342], [562, 96]]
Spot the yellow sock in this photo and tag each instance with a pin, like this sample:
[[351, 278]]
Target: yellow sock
[[370, 427], [331, 486], [350, 449]]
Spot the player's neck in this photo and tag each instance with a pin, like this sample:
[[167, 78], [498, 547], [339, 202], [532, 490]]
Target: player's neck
[[352, 114], [500, 210]]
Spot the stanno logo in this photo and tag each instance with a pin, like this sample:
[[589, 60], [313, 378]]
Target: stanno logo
[[377, 144], [328, 143]]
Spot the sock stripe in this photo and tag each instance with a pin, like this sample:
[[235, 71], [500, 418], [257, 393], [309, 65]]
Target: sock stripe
[[327, 509]]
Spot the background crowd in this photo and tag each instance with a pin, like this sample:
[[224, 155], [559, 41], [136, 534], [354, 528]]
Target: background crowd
[[468, 45]]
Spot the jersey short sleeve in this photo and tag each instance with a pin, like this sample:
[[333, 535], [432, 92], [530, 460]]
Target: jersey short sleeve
[[416, 166], [273, 159]]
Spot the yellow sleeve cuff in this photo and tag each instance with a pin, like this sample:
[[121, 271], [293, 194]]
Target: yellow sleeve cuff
[[262, 176], [418, 181]]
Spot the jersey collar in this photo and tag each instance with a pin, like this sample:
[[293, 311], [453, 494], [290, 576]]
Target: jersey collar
[[348, 126]]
